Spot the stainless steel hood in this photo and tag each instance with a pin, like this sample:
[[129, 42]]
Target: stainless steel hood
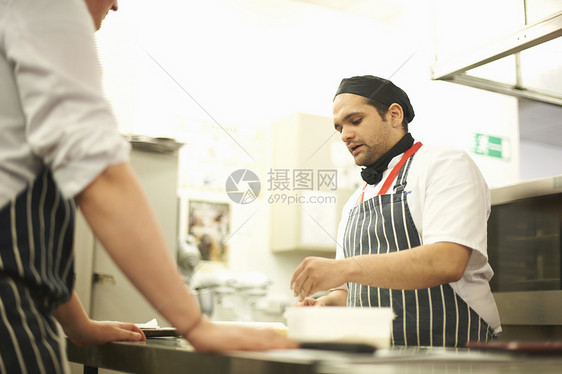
[[529, 60]]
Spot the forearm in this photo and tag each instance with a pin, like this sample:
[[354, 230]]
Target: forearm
[[415, 268], [83, 331], [71, 315], [119, 213]]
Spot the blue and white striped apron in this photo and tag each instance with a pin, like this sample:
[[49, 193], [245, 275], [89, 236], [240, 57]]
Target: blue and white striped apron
[[36, 275], [434, 316]]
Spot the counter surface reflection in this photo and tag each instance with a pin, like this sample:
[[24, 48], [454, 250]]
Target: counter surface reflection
[[175, 355]]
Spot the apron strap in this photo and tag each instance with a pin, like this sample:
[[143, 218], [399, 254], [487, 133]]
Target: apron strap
[[395, 170], [398, 166]]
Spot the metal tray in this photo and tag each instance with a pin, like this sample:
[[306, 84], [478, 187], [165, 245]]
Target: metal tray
[[160, 332]]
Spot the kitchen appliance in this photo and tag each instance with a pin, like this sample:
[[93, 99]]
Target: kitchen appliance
[[525, 251], [233, 297], [103, 288], [188, 256]]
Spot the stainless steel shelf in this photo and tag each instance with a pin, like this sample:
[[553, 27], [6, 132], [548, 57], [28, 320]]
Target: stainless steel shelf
[[538, 187]]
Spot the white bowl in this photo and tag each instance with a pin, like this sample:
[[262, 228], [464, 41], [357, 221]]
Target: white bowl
[[371, 326]]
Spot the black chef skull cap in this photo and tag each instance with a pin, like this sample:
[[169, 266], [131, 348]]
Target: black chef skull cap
[[378, 89]]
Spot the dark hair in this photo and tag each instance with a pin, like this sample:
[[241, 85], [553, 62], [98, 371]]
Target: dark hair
[[383, 109]]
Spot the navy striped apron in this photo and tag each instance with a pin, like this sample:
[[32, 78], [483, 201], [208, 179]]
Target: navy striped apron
[[434, 316], [36, 275]]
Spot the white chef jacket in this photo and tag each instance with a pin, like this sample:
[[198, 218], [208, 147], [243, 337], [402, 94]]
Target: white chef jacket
[[52, 108], [449, 201]]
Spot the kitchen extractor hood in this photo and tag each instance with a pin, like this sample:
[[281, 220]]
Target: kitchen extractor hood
[[526, 63]]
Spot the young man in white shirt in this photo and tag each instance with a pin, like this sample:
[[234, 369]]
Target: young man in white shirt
[[414, 236]]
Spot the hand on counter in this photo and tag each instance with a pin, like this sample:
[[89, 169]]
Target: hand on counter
[[101, 332], [207, 336], [83, 331]]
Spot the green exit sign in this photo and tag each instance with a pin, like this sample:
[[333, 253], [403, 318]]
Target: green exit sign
[[491, 146]]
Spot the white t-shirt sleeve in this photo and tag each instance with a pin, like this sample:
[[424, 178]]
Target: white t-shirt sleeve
[[69, 124], [456, 203]]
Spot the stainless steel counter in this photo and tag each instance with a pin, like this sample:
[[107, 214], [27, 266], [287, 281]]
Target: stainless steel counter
[[171, 355], [175, 355]]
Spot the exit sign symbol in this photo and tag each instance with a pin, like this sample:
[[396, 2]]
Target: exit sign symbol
[[491, 146]]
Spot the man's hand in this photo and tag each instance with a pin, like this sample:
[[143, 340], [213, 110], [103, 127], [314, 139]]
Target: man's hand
[[101, 332], [83, 331], [317, 274], [309, 301]]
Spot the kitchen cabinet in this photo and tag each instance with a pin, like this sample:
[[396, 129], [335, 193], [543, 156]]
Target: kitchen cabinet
[[305, 194]]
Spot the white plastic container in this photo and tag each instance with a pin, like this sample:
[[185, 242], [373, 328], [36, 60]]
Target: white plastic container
[[371, 326]]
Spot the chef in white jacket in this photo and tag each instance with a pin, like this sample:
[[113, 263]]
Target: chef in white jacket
[[414, 236]]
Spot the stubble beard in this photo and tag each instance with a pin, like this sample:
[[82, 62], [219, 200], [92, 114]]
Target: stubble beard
[[364, 158]]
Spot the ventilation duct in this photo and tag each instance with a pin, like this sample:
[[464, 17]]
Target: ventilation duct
[[508, 47]]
